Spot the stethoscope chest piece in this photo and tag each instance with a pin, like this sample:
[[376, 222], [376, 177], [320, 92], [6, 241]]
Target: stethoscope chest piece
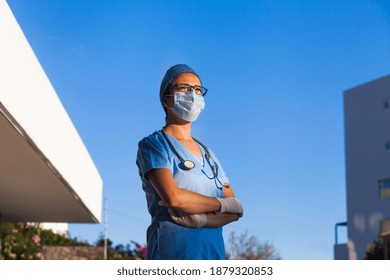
[[188, 164]]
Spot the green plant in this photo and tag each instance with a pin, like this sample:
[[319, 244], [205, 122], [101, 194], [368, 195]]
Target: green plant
[[22, 241], [19, 241]]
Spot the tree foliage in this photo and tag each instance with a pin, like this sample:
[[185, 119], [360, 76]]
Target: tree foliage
[[131, 251], [376, 250], [245, 247]]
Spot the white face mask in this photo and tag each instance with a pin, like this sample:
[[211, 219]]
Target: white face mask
[[188, 106]]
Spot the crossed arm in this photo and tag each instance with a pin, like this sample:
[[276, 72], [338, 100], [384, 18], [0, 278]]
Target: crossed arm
[[184, 202]]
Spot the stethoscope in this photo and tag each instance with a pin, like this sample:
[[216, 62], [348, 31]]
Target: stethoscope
[[189, 164]]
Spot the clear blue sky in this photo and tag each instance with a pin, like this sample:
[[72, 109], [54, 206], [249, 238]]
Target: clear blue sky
[[275, 70]]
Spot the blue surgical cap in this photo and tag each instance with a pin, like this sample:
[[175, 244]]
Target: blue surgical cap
[[171, 74]]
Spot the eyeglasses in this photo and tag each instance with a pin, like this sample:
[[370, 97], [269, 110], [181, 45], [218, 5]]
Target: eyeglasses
[[186, 88]]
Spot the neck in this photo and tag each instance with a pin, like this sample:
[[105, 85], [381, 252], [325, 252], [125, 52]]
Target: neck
[[179, 131]]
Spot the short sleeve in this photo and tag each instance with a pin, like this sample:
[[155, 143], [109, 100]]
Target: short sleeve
[[152, 154]]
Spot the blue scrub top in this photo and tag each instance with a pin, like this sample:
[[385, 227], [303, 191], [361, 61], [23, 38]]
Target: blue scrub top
[[166, 239]]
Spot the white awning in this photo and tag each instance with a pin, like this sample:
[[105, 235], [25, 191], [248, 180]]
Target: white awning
[[46, 173]]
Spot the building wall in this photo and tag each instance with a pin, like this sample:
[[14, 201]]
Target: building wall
[[72, 253], [58, 228], [367, 140]]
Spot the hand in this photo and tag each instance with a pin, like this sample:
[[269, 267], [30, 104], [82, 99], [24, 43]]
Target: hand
[[231, 205], [194, 221]]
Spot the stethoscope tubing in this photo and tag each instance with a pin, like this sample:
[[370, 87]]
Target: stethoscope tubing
[[174, 149], [188, 164]]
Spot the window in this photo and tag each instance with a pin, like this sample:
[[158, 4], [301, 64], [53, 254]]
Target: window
[[386, 104], [384, 187], [387, 145]]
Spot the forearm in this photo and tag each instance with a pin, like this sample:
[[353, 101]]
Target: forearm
[[230, 211], [217, 219], [183, 201], [188, 202]]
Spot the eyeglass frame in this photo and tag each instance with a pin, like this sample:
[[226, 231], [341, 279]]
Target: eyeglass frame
[[202, 88]]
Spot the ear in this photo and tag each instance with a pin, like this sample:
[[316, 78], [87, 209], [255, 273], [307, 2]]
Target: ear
[[165, 101]]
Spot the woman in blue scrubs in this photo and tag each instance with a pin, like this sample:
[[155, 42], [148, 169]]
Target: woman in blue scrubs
[[188, 194]]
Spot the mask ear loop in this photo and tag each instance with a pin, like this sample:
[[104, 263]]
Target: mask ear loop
[[166, 106]]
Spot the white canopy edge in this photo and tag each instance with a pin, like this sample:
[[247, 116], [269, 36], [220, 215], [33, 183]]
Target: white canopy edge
[[28, 96]]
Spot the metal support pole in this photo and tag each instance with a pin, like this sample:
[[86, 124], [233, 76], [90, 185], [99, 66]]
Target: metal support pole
[[335, 231], [1, 235], [105, 228]]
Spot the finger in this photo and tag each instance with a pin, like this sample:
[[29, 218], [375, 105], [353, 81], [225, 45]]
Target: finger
[[170, 211], [174, 218]]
